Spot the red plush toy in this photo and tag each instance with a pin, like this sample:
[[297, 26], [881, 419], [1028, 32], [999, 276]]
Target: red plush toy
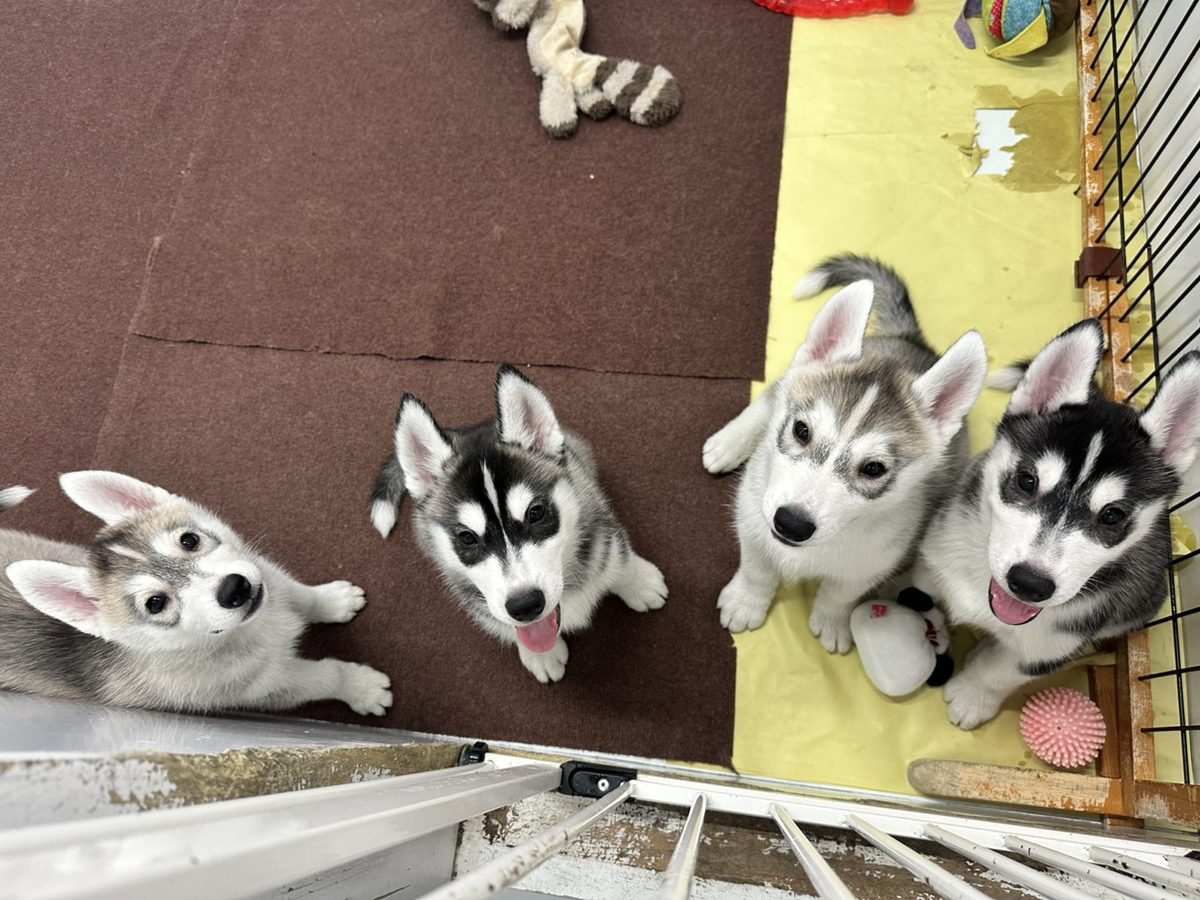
[[835, 9]]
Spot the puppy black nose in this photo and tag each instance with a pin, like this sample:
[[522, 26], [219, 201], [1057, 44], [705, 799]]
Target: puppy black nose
[[793, 525], [234, 591], [1029, 584], [525, 606]]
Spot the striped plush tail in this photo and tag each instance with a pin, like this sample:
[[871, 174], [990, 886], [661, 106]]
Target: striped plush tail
[[643, 94], [894, 314], [11, 496]]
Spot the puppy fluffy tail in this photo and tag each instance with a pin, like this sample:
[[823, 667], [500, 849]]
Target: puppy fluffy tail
[[894, 314], [1008, 378], [387, 497], [11, 496]]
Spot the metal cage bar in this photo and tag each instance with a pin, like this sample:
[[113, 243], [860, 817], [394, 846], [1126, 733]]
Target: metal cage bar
[[1093, 873], [921, 868], [510, 867], [828, 884], [1160, 875], [1016, 872], [680, 872]]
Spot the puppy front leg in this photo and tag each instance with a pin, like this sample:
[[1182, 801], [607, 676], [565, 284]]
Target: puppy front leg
[[640, 584], [830, 619], [744, 602], [989, 675], [363, 689], [733, 444], [336, 601]]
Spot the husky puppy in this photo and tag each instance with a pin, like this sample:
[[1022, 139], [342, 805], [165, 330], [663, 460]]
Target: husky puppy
[[512, 513], [1058, 535], [168, 609], [849, 452]]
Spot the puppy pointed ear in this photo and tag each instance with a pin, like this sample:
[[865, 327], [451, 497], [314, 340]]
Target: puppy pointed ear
[[524, 414], [1063, 373], [422, 448], [950, 388], [111, 496], [836, 334], [1173, 417], [60, 591]]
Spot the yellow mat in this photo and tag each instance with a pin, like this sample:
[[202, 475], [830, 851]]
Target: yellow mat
[[879, 158]]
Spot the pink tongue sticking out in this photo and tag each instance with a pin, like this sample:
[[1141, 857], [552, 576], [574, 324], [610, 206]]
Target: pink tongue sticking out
[[1008, 609], [540, 637]]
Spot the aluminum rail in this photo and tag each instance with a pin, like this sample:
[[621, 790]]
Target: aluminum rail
[[826, 881], [241, 847]]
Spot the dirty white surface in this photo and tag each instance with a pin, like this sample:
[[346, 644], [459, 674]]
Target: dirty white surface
[[995, 132], [45, 727], [38, 793]]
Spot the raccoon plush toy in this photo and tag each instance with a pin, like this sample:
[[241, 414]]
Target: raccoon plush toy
[[574, 81]]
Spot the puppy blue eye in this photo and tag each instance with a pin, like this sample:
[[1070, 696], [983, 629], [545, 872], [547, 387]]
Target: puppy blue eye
[[189, 541], [535, 513], [1027, 482], [156, 604], [467, 538], [800, 432], [1111, 515]]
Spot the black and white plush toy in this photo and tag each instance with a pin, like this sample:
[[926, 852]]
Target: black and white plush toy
[[574, 81], [902, 642]]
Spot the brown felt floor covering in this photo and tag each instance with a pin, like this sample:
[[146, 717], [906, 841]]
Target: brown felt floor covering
[[97, 102], [192, 193], [371, 177], [286, 445]]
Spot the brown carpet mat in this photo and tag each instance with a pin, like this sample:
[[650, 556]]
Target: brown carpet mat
[[285, 446], [372, 177], [97, 107]]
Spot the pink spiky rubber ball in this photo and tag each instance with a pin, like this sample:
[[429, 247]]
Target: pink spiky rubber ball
[[1063, 727]]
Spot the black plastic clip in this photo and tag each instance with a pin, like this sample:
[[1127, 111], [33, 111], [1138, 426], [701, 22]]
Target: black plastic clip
[[586, 780], [472, 753]]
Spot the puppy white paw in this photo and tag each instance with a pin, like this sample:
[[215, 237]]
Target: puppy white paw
[[365, 690], [549, 666], [644, 588], [341, 601], [740, 610], [726, 450], [831, 628], [968, 703]]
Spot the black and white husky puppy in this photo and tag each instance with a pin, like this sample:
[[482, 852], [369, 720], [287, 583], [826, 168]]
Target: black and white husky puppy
[[1058, 536], [849, 452], [167, 609], [512, 513]]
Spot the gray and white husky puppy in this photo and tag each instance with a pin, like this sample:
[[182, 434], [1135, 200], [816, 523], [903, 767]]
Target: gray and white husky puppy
[[168, 609], [1058, 536], [850, 452], [512, 513]]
